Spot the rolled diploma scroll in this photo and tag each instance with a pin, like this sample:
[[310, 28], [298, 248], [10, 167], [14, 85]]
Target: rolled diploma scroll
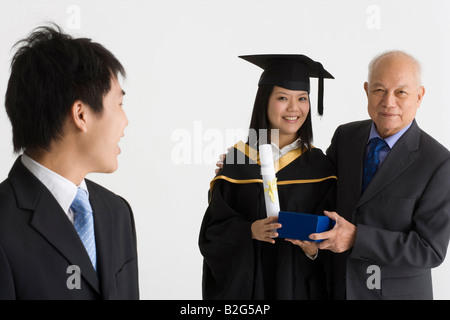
[[269, 180]]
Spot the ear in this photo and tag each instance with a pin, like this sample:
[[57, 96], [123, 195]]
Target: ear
[[421, 93], [79, 115], [366, 88]]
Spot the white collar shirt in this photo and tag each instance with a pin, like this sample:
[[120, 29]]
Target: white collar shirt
[[63, 190]]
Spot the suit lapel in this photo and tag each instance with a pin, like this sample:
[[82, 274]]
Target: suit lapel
[[398, 160], [50, 221], [103, 238]]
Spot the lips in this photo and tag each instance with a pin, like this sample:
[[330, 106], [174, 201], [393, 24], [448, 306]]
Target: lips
[[388, 115], [291, 119], [120, 151]]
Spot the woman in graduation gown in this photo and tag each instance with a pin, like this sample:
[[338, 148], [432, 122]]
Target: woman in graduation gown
[[243, 258]]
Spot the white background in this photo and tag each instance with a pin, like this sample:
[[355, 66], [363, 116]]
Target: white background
[[185, 82]]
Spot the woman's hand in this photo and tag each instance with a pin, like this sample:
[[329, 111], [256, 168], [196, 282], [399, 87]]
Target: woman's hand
[[309, 247], [265, 229], [219, 164]]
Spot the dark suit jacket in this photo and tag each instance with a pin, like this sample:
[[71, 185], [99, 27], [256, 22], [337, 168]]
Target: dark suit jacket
[[403, 217], [38, 243]]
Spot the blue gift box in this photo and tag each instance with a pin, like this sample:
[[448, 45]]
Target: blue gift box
[[299, 226]]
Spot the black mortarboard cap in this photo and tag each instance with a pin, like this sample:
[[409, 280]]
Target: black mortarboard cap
[[290, 71]]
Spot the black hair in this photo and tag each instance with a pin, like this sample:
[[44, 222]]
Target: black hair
[[49, 72], [260, 120]]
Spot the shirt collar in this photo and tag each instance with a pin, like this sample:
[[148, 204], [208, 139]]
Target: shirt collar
[[392, 140], [278, 153], [294, 145], [62, 189]]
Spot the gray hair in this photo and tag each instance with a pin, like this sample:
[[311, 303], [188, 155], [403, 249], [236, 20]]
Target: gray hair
[[415, 62]]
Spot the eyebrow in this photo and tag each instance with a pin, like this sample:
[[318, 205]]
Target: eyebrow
[[376, 84], [282, 92], [380, 84]]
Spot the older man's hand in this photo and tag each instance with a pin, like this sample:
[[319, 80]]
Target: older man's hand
[[340, 238]]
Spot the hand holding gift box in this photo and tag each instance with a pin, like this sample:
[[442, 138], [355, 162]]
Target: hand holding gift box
[[295, 226]]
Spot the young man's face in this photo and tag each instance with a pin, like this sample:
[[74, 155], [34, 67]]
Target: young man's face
[[106, 129]]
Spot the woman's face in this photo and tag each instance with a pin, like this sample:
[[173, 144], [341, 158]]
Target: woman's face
[[287, 111]]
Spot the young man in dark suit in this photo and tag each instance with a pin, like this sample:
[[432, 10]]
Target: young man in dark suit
[[61, 235], [393, 200]]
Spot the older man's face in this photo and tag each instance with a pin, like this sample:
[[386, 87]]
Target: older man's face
[[394, 94]]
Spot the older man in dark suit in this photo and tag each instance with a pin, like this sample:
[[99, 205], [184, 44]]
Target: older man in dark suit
[[393, 198], [61, 235]]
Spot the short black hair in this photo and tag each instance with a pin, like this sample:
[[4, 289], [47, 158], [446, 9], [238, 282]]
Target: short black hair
[[260, 120], [49, 72]]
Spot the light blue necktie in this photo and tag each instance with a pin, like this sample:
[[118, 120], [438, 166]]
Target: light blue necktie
[[84, 223], [372, 160]]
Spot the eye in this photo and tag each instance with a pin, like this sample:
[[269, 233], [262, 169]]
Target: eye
[[378, 91], [402, 94], [282, 98], [303, 99]]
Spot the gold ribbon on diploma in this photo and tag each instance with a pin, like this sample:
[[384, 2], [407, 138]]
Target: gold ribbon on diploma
[[272, 188]]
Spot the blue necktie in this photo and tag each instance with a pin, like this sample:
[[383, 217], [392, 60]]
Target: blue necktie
[[84, 223], [372, 160]]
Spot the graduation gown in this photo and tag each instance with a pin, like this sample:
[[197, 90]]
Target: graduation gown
[[239, 267]]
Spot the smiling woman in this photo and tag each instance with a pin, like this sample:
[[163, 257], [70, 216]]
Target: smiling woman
[[242, 258], [287, 111], [288, 73]]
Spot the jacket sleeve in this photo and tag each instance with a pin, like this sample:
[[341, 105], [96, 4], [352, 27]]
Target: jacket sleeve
[[7, 291], [132, 292]]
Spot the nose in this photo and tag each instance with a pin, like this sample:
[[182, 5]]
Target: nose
[[389, 100], [293, 105], [125, 118]]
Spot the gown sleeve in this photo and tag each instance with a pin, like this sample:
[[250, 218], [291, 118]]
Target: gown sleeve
[[226, 244]]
